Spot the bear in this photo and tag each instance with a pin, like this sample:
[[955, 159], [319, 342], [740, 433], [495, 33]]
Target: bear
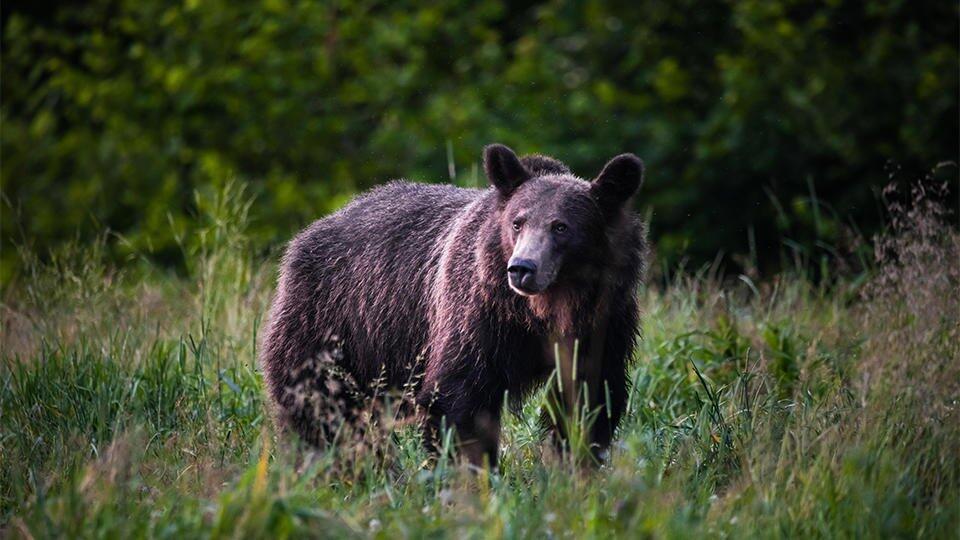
[[465, 297]]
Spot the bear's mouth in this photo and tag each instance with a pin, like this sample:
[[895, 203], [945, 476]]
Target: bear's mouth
[[530, 285], [523, 291]]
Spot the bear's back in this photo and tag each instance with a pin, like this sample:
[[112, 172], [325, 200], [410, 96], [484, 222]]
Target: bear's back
[[363, 273]]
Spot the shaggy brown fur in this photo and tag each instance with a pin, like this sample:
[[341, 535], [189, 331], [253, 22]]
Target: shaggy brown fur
[[408, 285]]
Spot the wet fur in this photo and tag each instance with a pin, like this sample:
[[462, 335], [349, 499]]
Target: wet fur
[[407, 286]]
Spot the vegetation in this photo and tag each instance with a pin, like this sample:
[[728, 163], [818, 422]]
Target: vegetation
[[747, 112], [130, 405], [156, 154]]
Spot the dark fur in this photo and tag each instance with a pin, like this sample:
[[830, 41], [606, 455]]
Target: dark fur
[[407, 284]]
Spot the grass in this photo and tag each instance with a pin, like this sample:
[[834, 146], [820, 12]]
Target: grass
[[131, 405]]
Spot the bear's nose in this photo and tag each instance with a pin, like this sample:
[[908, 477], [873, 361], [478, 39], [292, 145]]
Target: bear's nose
[[522, 272]]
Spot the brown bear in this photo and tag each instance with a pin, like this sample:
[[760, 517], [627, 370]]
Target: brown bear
[[464, 296]]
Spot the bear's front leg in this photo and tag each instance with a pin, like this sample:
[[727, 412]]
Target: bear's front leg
[[587, 395], [465, 401], [615, 351]]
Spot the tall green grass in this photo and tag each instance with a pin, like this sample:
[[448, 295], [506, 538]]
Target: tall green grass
[[131, 405]]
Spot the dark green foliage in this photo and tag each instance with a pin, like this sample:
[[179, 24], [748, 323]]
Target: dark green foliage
[[762, 120]]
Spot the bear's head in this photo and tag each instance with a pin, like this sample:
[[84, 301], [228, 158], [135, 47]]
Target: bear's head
[[551, 222]]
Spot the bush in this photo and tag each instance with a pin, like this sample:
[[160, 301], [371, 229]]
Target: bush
[[758, 120]]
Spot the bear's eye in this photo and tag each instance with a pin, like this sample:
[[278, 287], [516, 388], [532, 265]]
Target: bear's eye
[[517, 224], [559, 228]]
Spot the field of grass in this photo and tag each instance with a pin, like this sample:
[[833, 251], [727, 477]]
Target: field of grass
[[131, 405]]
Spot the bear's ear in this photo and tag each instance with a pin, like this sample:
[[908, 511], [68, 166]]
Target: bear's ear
[[617, 182], [503, 168]]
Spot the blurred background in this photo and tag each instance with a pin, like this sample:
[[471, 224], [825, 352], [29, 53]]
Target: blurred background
[[769, 128]]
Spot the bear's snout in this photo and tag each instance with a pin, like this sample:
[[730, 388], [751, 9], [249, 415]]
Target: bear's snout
[[522, 274]]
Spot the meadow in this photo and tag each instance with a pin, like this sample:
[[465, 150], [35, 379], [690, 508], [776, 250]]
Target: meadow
[[767, 406]]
